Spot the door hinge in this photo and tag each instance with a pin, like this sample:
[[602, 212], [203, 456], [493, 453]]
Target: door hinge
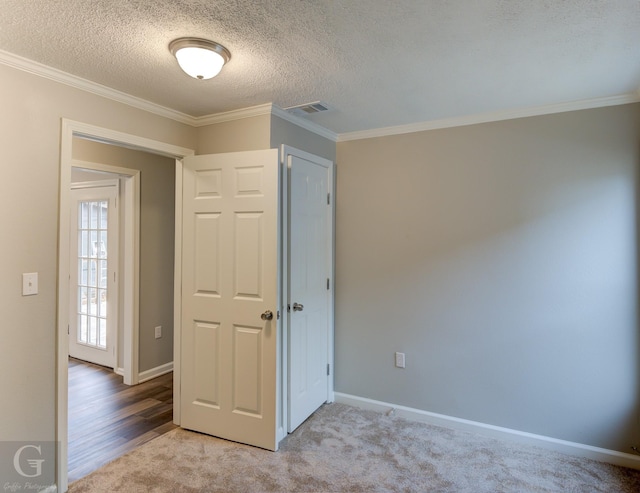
[[328, 199], [328, 369], [328, 284]]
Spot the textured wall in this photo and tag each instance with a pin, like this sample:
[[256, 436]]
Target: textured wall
[[157, 233], [501, 258]]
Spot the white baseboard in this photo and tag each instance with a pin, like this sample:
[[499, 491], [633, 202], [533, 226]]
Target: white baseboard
[[549, 443], [143, 376], [119, 371]]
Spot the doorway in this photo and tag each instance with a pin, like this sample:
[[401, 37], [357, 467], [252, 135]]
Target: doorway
[[94, 279], [257, 293], [125, 302], [70, 131], [310, 284], [246, 336]]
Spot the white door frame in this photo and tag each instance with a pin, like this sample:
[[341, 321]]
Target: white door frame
[[69, 130], [130, 193], [285, 152]]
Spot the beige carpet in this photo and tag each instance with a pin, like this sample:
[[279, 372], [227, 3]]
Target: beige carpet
[[344, 449]]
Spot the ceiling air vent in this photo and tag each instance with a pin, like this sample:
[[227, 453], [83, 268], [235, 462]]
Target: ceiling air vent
[[308, 108]]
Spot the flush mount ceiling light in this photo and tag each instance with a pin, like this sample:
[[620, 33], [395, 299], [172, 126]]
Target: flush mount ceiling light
[[200, 58]]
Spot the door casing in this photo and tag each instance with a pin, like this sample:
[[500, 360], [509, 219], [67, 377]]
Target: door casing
[[69, 130], [129, 268]]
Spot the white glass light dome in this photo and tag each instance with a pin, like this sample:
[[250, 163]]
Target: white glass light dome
[[199, 58]]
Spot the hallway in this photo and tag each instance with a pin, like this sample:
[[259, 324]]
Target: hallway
[[107, 418]]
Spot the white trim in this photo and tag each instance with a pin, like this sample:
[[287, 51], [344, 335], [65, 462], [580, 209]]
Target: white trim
[[131, 277], [62, 370], [282, 378], [493, 116], [177, 296], [67, 79], [147, 375], [264, 109], [56, 75], [122, 139], [332, 286], [107, 168], [229, 116], [70, 129], [549, 443], [306, 124], [79, 185], [119, 371]]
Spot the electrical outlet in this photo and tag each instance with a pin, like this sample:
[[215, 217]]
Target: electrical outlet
[[400, 363], [158, 331]]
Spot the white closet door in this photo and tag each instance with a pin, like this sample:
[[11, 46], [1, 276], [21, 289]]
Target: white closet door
[[310, 269]]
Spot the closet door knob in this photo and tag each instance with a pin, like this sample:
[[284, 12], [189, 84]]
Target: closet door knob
[[268, 315], [297, 307]]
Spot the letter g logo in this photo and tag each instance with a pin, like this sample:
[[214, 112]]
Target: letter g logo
[[33, 463]]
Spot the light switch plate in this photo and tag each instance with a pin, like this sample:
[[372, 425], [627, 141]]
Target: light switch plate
[[29, 283]]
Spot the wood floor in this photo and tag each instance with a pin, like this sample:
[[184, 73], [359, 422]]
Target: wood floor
[[108, 418]]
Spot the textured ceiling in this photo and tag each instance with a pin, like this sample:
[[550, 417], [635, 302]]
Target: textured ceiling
[[377, 63]]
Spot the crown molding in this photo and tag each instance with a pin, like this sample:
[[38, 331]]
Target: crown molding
[[229, 116], [56, 75], [41, 70], [264, 109], [306, 124], [495, 116]]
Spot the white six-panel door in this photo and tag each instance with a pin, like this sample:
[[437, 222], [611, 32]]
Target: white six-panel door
[[230, 279], [310, 284]]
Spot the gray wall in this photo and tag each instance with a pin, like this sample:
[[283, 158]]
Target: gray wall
[[244, 134], [284, 132], [501, 258], [157, 233], [32, 108], [261, 132]]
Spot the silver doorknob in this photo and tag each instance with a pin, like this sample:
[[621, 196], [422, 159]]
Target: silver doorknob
[[268, 315], [297, 307]]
